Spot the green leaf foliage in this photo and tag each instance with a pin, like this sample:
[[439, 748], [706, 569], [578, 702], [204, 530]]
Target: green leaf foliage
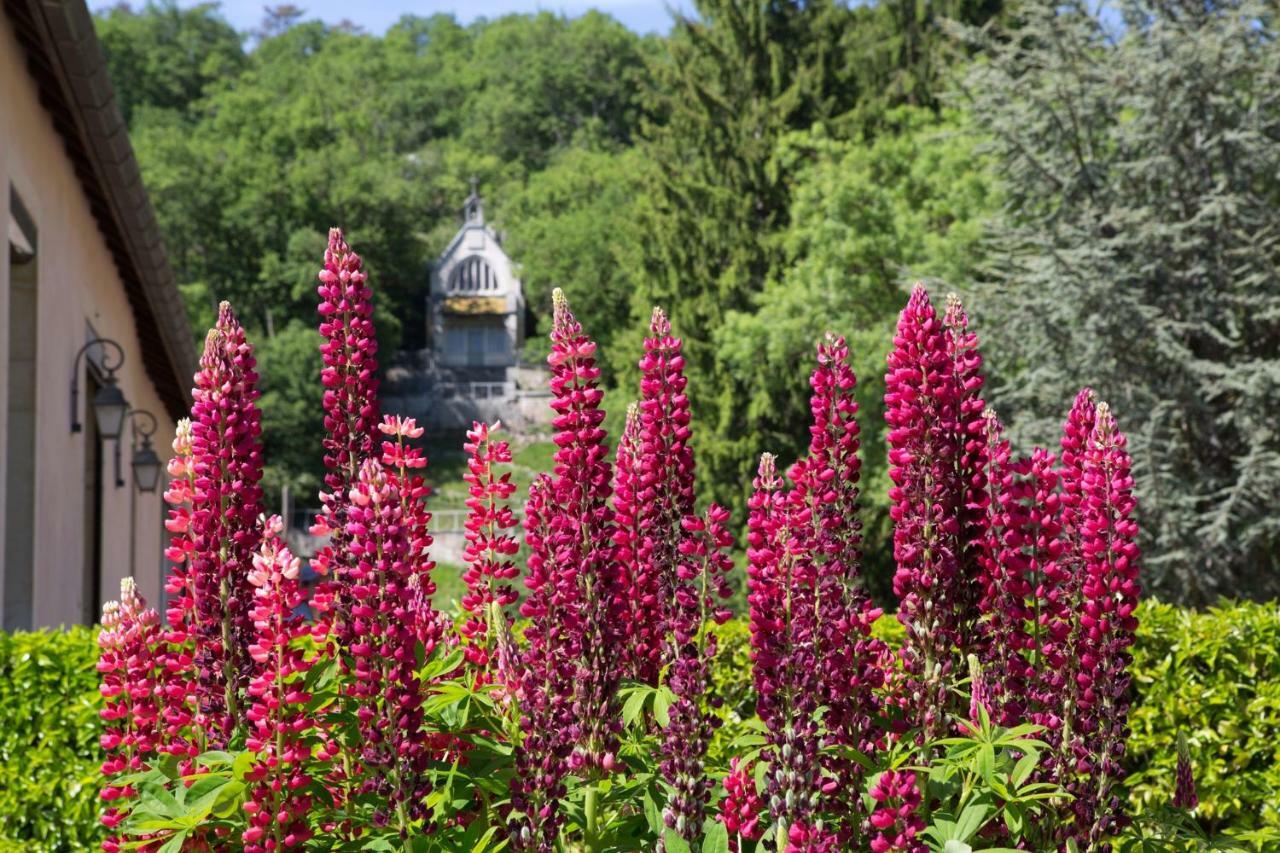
[[49, 741]]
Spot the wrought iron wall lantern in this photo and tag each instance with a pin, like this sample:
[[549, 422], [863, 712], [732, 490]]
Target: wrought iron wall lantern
[[145, 463], [109, 405]]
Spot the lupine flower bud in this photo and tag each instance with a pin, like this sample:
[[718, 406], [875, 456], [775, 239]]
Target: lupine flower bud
[[1184, 796], [546, 683], [489, 553], [827, 534], [185, 723], [277, 806], [226, 500], [1062, 640], [1016, 554], [131, 687], [784, 666], [403, 464]]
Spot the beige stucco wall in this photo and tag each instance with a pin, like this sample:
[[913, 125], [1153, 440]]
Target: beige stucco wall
[[78, 284]]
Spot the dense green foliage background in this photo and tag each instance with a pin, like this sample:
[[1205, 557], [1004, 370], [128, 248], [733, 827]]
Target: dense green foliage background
[[49, 732], [1213, 675], [1098, 183]]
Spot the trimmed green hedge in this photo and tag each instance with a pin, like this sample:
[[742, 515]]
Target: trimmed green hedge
[[1214, 675], [49, 741]]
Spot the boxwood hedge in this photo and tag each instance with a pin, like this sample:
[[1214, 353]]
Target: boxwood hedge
[[1214, 675]]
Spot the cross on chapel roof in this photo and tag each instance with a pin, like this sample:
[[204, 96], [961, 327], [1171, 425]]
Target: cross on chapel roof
[[473, 207]]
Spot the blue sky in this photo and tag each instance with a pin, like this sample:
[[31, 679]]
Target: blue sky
[[643, 16]]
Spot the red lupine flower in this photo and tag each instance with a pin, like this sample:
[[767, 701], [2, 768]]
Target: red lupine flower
[[350, 410], [895, 819], [546, 683], [784, 664], [1017, 554], [185, 723], [1061, 638], [698, 591], [131, 687], [661, 494], [573, 657], [489, 553], [938, 497], [384, 633], [226, 500], [641, 645], [277, 805], [1109, 551], [826, 533], [741, 810], [403, 463]]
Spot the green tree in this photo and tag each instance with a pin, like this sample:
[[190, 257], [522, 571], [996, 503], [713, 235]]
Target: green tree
[[165, 56], [735, 81], [866, 220], [571, 227], [1140, 255]]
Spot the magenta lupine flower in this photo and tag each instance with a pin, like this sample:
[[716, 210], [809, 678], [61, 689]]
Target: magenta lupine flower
[[131, 687], [1108, 547], [934, 438], [1016, 551], [698, 591], [1061, 640], [1184, 795], [185, 724], [784, 666], [971, 462], [1060, 645], [403, 463], [278, 722], [827, 535], [226, 501], [581, 537], [382, 651], [641, 645], [802, 838], [489, 553], [573, 661], [350, 408], [895, 819], [546, 683], [662, 485], [741, 809]]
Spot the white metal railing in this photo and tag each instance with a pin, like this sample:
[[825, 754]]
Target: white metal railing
[[476, 390], [442, 520]]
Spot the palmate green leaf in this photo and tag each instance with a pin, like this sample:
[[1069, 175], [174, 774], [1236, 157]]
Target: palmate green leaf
[[175, 843], [1024, 767], [674, 843], [716, 838], [971, 820], [653, 812], [662, 700], [635, 703]]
